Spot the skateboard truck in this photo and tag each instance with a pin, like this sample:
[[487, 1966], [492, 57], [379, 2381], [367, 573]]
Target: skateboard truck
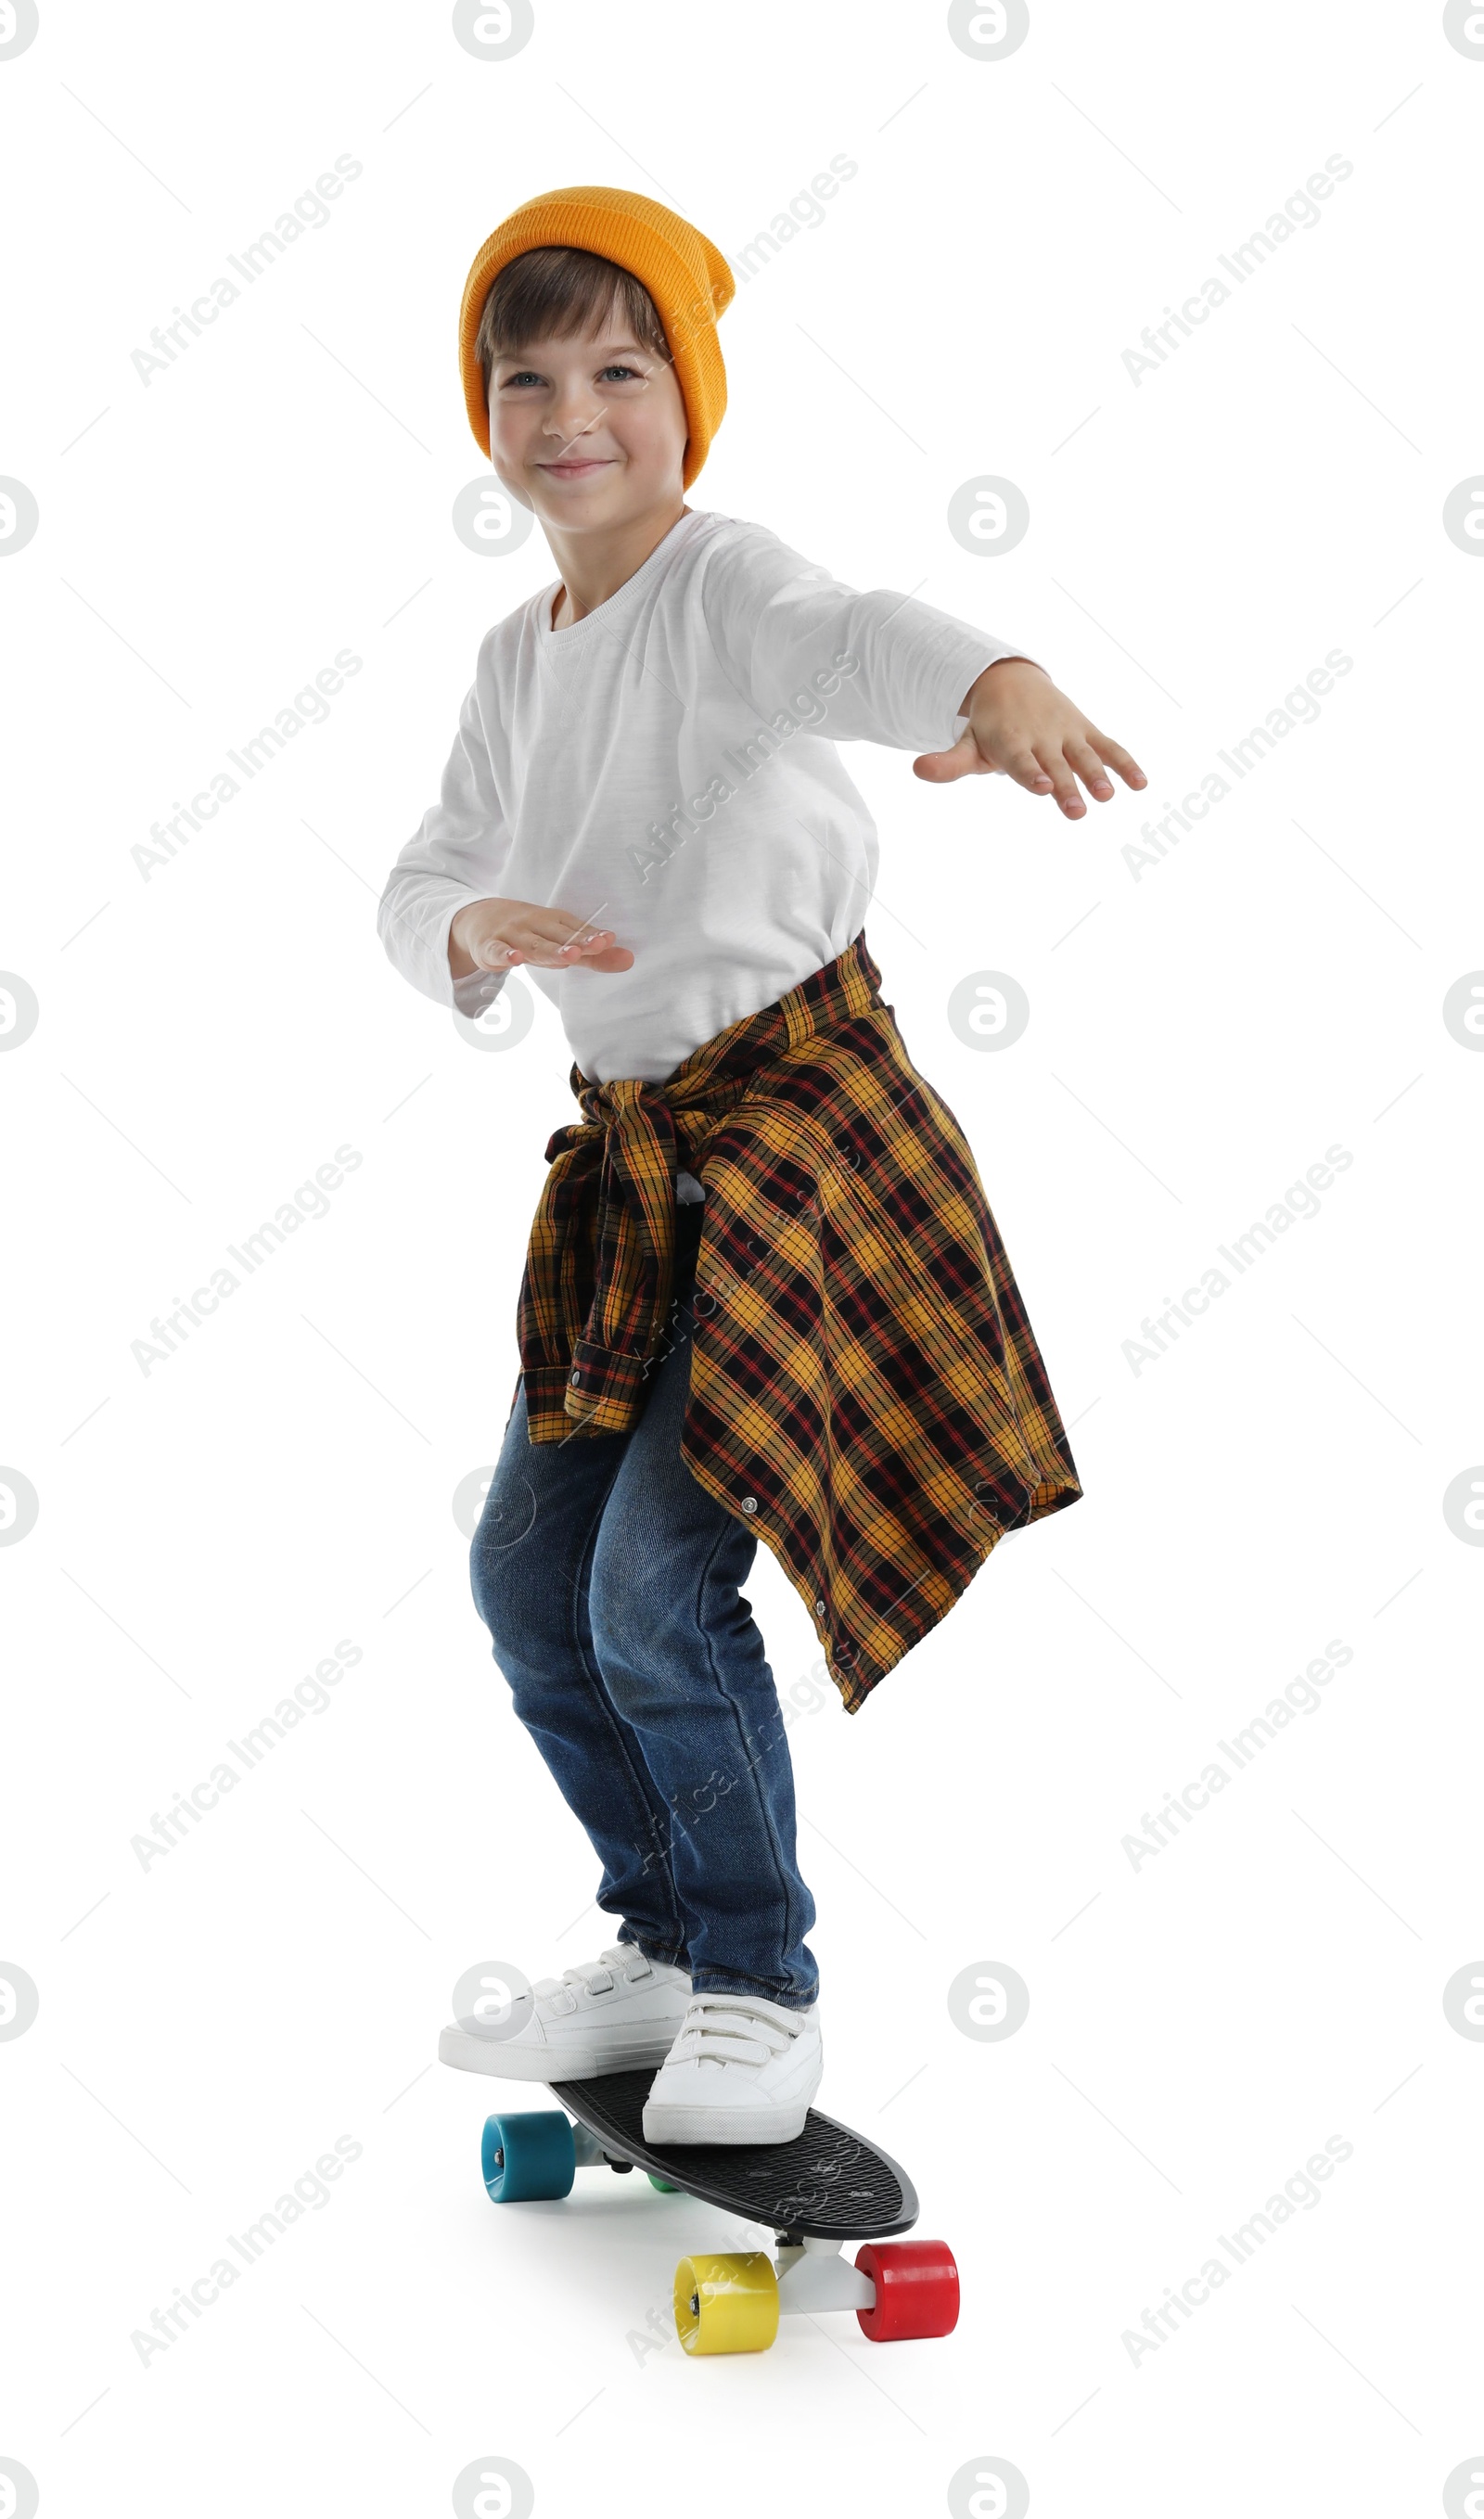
[[814, 2274]]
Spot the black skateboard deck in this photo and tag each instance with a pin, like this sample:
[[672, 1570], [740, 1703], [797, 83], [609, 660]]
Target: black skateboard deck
[[826, 2186], [827, 2183]]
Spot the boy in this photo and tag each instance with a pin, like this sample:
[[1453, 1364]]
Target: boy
[[644, 804]]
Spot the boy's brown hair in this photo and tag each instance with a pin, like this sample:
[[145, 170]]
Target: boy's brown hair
[[560, 291]]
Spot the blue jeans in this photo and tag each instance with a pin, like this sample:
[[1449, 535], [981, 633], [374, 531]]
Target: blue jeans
[[609, 1581]]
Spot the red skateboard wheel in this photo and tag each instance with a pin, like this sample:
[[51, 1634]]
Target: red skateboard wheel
[[916, 2289]]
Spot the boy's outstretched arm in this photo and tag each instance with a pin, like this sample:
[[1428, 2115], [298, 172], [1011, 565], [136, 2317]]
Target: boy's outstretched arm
[[1019, 722]]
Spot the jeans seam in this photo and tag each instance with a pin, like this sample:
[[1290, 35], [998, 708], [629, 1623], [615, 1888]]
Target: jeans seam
[[598, 1693], [760, 1799], [606, 1704]]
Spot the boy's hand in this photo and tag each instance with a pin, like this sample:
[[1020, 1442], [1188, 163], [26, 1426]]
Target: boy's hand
[[496, 935], [1020, 722]]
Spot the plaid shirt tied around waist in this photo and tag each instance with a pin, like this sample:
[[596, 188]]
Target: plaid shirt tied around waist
[[865, 1388]]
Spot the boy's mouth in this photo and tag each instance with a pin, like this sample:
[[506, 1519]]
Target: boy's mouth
[[574, 468]]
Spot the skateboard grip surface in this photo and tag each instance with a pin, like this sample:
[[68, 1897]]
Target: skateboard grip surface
[[827, 2183]]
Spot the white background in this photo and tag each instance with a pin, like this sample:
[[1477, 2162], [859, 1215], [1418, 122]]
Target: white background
[[208, 1532]]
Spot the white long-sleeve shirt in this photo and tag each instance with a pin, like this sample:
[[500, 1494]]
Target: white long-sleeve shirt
[[667, 767]]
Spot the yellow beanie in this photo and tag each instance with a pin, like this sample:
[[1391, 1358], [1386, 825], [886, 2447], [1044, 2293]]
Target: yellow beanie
[[688, 279]]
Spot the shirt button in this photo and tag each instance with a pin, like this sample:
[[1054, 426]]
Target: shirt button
[[576, 1377], [749, 1504], [818, 1609]]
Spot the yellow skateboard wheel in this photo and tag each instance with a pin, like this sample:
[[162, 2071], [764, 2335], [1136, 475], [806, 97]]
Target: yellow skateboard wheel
[[726, 2304]]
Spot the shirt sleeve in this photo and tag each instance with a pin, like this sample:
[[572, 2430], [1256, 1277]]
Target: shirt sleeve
[[876, 667], [457, 855]]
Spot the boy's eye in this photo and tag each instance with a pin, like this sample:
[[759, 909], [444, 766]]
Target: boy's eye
[[529, 376]]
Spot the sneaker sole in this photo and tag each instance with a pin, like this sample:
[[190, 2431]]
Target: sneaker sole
[[508, 2061], [666, 2125]]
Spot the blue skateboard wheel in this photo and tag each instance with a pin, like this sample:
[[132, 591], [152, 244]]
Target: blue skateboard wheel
[[528, 2156]]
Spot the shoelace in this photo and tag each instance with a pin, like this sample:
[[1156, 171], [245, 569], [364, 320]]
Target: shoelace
[[727, 2029], [615, 1963]]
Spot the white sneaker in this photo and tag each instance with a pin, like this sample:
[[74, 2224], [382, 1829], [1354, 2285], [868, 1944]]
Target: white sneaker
[[741, 2070], [605, 2015]]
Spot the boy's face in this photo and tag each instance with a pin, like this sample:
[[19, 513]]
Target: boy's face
[[590, 431]]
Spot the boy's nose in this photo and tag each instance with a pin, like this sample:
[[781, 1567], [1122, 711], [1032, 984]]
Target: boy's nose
[[569, 418]]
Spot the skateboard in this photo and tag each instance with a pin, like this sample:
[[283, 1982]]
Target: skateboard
[[826, 2186]]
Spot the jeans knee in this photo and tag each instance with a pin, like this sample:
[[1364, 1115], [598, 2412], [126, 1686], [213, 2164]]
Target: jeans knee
[[512, 1596], [612, 1607], [646, 1646], [487, 1585]]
